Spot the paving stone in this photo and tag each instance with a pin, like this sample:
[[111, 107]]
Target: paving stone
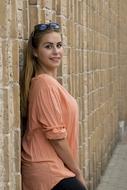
[[115, 176]]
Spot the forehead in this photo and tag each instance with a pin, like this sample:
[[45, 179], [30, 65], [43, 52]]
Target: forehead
[[52, 37]]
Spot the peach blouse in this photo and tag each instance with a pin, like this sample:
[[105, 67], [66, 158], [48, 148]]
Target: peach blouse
[[52, 114]]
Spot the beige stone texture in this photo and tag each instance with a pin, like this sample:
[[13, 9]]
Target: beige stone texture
[[93, 70]]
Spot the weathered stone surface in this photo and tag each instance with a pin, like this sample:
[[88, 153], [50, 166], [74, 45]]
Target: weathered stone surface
[[93, 70]]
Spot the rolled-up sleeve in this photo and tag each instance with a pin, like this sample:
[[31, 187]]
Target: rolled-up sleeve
[[49, 113]]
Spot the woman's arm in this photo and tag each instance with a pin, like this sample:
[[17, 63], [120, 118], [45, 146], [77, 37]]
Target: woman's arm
[[63, 151]]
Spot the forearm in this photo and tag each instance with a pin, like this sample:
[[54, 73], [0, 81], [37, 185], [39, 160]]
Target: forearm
[[63, 151]]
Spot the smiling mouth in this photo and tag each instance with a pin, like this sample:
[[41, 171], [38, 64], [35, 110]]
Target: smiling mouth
[[55, 59]]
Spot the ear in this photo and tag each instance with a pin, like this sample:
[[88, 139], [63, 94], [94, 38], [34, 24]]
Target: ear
[[35, 53]]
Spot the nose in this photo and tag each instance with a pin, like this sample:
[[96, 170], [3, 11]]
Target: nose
[[55, 49]]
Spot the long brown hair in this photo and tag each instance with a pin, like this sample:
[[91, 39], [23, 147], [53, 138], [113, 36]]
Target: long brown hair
[[31, 65]]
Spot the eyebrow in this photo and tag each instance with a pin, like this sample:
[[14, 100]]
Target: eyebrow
[[51, 43]]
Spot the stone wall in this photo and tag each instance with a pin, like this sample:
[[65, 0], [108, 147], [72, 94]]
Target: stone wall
[[93, 70], [9, 96], [122, 60], [102, 85]]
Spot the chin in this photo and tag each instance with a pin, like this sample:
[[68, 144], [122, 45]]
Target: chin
[[56, 64]]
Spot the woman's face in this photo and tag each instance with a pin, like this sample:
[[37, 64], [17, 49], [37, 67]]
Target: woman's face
[[50, 51]]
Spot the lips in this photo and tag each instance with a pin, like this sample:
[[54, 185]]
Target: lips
[[55, 59]]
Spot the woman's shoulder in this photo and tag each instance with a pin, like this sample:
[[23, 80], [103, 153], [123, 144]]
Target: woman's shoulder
[[45, 81]]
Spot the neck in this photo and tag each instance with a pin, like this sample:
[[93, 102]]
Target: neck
[[51, 73]]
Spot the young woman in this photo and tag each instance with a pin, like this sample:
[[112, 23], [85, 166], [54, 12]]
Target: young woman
[[49, 144]]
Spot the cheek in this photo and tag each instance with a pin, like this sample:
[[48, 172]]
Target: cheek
[[44, 53], [62, 52]]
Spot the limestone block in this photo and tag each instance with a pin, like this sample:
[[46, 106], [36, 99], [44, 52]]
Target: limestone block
[[33, 2], [3, 19]]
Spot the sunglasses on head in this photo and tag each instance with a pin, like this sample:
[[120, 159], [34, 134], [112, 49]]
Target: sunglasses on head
[[43, 27]]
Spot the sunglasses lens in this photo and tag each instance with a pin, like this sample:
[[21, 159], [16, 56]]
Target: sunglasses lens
[[54, 26], [42, 27]]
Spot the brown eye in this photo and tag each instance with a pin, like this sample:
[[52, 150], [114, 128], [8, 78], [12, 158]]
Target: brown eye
[[49, 46], [59, 45]]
